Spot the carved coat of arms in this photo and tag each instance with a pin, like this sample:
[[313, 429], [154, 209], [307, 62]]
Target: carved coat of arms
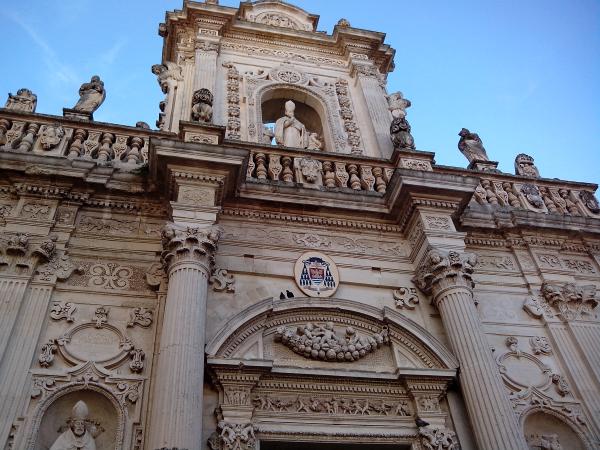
[[316, 275]]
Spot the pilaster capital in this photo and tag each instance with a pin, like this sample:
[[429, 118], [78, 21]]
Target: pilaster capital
[[441, 270], [438, 438], [189, 245], [572, 301]]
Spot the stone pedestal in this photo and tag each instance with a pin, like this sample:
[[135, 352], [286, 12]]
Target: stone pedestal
[[447, 278], [177, 392], [484, 165], [77, 115]]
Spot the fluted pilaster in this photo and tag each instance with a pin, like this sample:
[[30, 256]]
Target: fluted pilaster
[[187, 257], [17, 359], [377, 106], [11, 293], [447, 277]]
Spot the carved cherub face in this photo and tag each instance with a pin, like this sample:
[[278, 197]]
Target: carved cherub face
[[78, 427]]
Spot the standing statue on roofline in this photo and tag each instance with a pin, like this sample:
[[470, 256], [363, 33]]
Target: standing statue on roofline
[[471, 146]]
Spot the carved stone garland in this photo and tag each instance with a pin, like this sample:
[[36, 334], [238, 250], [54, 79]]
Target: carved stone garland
[[322, 342]]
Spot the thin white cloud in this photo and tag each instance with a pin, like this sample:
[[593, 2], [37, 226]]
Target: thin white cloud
[[110, 55], [57, 69]]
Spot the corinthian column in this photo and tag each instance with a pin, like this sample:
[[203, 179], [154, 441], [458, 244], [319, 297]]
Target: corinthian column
[[447, 278], [176, 418]]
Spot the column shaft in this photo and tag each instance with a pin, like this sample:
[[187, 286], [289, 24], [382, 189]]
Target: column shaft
[[177, 402], [493, 418], [448, 277]]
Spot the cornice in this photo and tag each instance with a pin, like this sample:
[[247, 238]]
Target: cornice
[[288, 218]]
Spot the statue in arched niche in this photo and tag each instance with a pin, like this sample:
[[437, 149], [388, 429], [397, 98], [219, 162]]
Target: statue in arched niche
[[289, 131], [78, 436]]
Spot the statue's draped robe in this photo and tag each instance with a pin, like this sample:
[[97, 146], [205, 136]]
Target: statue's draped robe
[[292, 135], [68, 441]]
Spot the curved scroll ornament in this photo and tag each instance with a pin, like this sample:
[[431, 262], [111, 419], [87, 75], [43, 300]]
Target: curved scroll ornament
[[516, 362], [406, 297], [322, 342], [221, 280]]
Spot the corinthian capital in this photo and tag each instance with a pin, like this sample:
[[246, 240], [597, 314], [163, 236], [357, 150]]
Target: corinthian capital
[[187, 244], [440, 270]]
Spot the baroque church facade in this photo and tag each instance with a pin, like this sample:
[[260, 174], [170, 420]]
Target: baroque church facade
[[278, 266]]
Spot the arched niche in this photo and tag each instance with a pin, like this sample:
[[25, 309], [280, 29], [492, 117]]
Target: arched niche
[[545, 429], [312, 109], [51, 418]]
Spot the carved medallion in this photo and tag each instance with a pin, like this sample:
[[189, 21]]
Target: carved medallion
[[316, 275]]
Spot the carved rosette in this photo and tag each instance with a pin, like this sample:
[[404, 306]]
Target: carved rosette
[[442, 270], [189, 245]]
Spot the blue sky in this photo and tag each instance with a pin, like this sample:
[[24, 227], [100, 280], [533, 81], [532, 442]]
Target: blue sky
[[524, 74]]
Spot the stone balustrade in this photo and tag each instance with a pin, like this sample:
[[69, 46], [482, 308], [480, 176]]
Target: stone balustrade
[[537, 195], [45, 135], [333, 170]]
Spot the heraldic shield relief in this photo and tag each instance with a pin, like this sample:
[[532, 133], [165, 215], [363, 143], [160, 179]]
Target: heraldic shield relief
[[316, 274]]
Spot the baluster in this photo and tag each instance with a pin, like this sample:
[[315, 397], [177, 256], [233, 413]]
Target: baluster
[[288, 173], [367, 178], [251, 166], [261, 170], [274, 167], [4, 126], [329, 178], [104, 152], [380, 184], [91, 144], [27, 142], [119, 148], [341, 176], [354, 180], [133, 157], [77, 145]]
